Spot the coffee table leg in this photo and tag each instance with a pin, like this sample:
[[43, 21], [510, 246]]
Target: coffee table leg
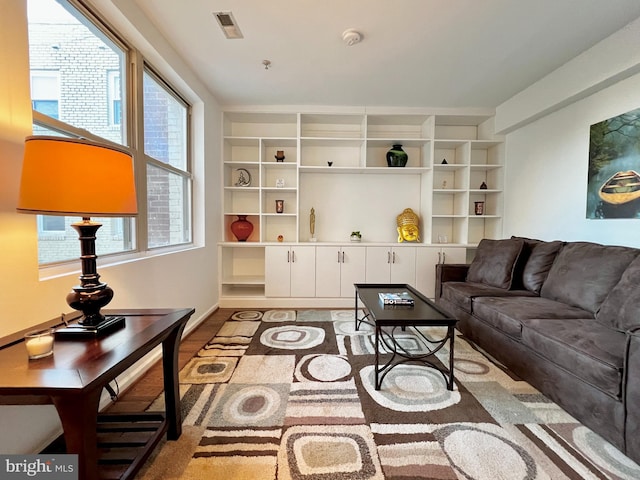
[[377, 347], [452, 336], [355, 310]]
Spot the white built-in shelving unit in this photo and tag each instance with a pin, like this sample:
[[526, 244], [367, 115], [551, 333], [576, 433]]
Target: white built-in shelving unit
[[336, 163]]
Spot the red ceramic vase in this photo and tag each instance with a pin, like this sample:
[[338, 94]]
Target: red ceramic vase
[[241, 228]]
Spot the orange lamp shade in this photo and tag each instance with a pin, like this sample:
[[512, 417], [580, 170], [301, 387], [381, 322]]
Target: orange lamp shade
[[63, 176]]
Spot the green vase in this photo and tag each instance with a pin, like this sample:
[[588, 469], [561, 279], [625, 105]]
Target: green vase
[[396, 157]]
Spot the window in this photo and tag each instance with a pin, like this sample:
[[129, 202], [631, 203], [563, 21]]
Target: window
[[45, 92], [168, 178], [51, 224], [114, 95], [80, 87]]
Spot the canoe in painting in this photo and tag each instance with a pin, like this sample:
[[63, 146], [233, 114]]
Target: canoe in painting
[[623, 187]]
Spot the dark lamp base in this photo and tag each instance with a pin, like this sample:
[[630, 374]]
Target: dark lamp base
[[109, 324], [92, 294]]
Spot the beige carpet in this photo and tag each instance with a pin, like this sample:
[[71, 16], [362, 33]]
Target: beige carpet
[[290, 395]]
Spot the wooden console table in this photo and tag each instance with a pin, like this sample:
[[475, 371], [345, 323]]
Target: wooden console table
[[72, 380]]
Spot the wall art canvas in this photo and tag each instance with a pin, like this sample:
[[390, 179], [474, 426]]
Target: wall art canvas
[[613, 188]]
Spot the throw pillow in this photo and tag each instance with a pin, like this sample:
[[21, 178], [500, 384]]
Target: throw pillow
[[538, 265], [621, 307], [529, 243], [495, 262]]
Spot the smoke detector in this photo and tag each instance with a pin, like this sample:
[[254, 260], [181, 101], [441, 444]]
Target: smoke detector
[[228, 25], [351, 37]]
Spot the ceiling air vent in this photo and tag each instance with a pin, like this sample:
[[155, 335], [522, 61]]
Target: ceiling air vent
[[228, 24]]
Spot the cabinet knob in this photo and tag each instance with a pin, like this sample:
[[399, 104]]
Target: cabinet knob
[[293, 256], [288, 256], [444, 257], [338, 256], [439, 257], [388, 257], [393, 257]]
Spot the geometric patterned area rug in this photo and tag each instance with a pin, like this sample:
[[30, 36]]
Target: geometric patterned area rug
[[285, 394]]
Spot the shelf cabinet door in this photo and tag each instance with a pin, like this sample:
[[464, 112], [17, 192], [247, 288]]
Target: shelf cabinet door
[[352, 269], [403, 265], [337, 269], [290, 271], [378, 265], [391, 265], [303, 271], [426, 260], [453, 255], [328, 271], [277, 269]]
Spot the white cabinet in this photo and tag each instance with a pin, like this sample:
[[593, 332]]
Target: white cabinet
[[337, 269], [426, 260], [391, 265], [290, 271]]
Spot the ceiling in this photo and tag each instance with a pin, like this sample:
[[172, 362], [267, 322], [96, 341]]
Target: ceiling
[[414, 53]]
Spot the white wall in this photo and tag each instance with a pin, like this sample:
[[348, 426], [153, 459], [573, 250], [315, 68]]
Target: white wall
[[185, 279], [606, 63], [547, 147]]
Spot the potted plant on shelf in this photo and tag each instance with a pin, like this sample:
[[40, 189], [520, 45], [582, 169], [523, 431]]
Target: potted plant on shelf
[[356, 236]]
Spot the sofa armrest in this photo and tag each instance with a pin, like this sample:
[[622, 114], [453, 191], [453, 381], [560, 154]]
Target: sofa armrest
[[631, 393], [449, 272]]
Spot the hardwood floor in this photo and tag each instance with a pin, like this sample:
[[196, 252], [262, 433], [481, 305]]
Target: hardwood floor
[[141, 394]]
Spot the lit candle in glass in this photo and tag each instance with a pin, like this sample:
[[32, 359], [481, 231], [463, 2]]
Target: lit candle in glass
[[39, 344]]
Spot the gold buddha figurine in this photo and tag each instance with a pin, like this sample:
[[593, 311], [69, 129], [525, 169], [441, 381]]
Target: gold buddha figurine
[[408, 226]]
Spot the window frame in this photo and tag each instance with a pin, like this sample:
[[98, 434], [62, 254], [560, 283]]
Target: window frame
[[132, 115], [187, 174]]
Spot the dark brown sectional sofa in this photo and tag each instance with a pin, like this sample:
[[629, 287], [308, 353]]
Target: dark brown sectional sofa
[[564, 316]]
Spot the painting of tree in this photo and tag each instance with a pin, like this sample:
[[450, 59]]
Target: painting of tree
[[613, 187]]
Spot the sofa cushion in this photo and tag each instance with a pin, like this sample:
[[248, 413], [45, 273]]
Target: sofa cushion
[[590, 351], [507, 313], [584, 273], [620, 308], [536, 269], [494, 262], [527, 248], [461, 294]]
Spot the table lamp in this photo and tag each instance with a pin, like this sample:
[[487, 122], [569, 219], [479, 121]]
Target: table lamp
[[73, 177]]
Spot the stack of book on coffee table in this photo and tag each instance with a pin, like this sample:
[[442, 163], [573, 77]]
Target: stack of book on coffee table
[[396, 298]]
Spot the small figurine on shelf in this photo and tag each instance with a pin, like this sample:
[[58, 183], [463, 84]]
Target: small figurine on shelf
[[279, 156], [312, 224], [483, 186], [444, 161], [444, 184], [408, 226]]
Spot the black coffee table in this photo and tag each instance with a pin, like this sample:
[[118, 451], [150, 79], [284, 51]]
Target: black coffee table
[[388, 318]]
